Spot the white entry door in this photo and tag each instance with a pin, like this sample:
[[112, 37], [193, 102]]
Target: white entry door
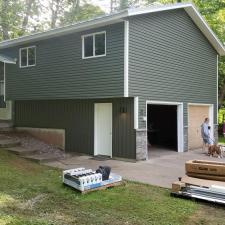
[[103, 129]]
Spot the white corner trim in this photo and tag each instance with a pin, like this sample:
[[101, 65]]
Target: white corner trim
[[4, 82], [136, 102], [217, 87], [126, 57]]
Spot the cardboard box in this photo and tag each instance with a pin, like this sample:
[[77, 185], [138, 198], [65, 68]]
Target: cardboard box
[[205, 167], [177, 186]]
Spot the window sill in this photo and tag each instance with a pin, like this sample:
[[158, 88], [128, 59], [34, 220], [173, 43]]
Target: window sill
[[27, 66], [90, 57]]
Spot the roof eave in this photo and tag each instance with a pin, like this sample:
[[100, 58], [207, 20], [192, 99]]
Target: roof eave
[[115, 18], [206, 30]]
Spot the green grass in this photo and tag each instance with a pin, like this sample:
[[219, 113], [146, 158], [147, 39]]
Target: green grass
[[31, 194], [221, 140]]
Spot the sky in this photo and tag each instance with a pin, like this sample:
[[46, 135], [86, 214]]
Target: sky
[[103, 4]]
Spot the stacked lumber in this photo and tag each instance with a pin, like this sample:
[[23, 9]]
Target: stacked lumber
[[204, 180], [205, 169]]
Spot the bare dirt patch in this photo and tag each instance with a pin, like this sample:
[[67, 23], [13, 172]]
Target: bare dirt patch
[[29, 142]]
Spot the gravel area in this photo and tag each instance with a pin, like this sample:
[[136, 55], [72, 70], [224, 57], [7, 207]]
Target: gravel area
[[29, 142]]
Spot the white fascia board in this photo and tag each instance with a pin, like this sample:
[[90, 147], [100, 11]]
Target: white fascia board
[[9, 62], [134, 12], [94, 23], [206, 30]]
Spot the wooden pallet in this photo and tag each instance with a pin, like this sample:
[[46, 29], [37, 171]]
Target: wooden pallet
[[120, 183]]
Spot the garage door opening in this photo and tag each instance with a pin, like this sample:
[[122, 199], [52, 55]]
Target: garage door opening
[[162, 127]]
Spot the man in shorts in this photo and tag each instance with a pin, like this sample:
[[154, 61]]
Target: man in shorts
[[205, 132]]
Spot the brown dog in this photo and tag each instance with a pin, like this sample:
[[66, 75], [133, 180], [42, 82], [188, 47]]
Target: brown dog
[[215, 150]]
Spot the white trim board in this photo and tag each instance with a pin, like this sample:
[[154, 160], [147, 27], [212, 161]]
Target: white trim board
[[136, 113], [119, 17], [126, 57], [4, 85], [180, 121], [217, 88]]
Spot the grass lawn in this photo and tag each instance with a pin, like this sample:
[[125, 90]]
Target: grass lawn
[[31, 194], [221, 140]]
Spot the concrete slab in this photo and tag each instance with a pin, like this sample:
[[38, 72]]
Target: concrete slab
[[162, 168], [18, 150], [41, 158], [6, 143]]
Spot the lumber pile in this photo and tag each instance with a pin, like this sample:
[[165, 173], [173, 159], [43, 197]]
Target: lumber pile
[[204, 180], [205, 169]]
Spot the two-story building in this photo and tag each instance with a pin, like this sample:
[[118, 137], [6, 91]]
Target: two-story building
[[117, 84]]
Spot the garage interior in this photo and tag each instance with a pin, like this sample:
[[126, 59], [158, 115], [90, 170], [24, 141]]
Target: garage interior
[[162, 127]]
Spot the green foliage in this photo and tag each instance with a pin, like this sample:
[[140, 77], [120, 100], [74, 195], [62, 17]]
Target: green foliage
[[85, 12], [31, 194], [221, 115]]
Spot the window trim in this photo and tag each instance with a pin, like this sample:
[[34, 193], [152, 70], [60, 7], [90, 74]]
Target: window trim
[[88, 35], [27, 56]]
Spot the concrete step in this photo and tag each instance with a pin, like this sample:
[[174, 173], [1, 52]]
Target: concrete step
[[6, 125], [18, 150], [42, 157], [7, 143]]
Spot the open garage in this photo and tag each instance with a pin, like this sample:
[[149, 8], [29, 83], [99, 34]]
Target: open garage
[[162, 126]]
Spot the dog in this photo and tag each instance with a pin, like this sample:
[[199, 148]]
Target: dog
[[215, 150]]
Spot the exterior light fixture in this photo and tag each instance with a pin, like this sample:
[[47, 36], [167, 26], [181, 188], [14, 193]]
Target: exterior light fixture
[[123, 109]]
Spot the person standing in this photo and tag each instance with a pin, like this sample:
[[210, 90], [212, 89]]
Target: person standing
[[205, 132]]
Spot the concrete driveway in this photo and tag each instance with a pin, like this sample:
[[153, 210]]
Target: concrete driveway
[[162, 168]]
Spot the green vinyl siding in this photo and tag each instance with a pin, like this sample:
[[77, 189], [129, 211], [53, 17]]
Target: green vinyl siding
[[61, 73], [170, 60], [77, 118]]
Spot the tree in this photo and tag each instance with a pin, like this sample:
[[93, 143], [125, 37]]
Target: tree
[[124, 4], [56, 8], [15, 17]]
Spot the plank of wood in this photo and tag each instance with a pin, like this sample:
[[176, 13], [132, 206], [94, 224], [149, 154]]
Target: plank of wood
[[201, 182], [103, 187], [206, 176], [177, 186]]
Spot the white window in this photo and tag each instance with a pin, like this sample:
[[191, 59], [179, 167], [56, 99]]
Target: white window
[[94, 45], [28, 56]]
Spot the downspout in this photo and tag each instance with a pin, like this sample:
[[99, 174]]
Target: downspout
[[4, 83]]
